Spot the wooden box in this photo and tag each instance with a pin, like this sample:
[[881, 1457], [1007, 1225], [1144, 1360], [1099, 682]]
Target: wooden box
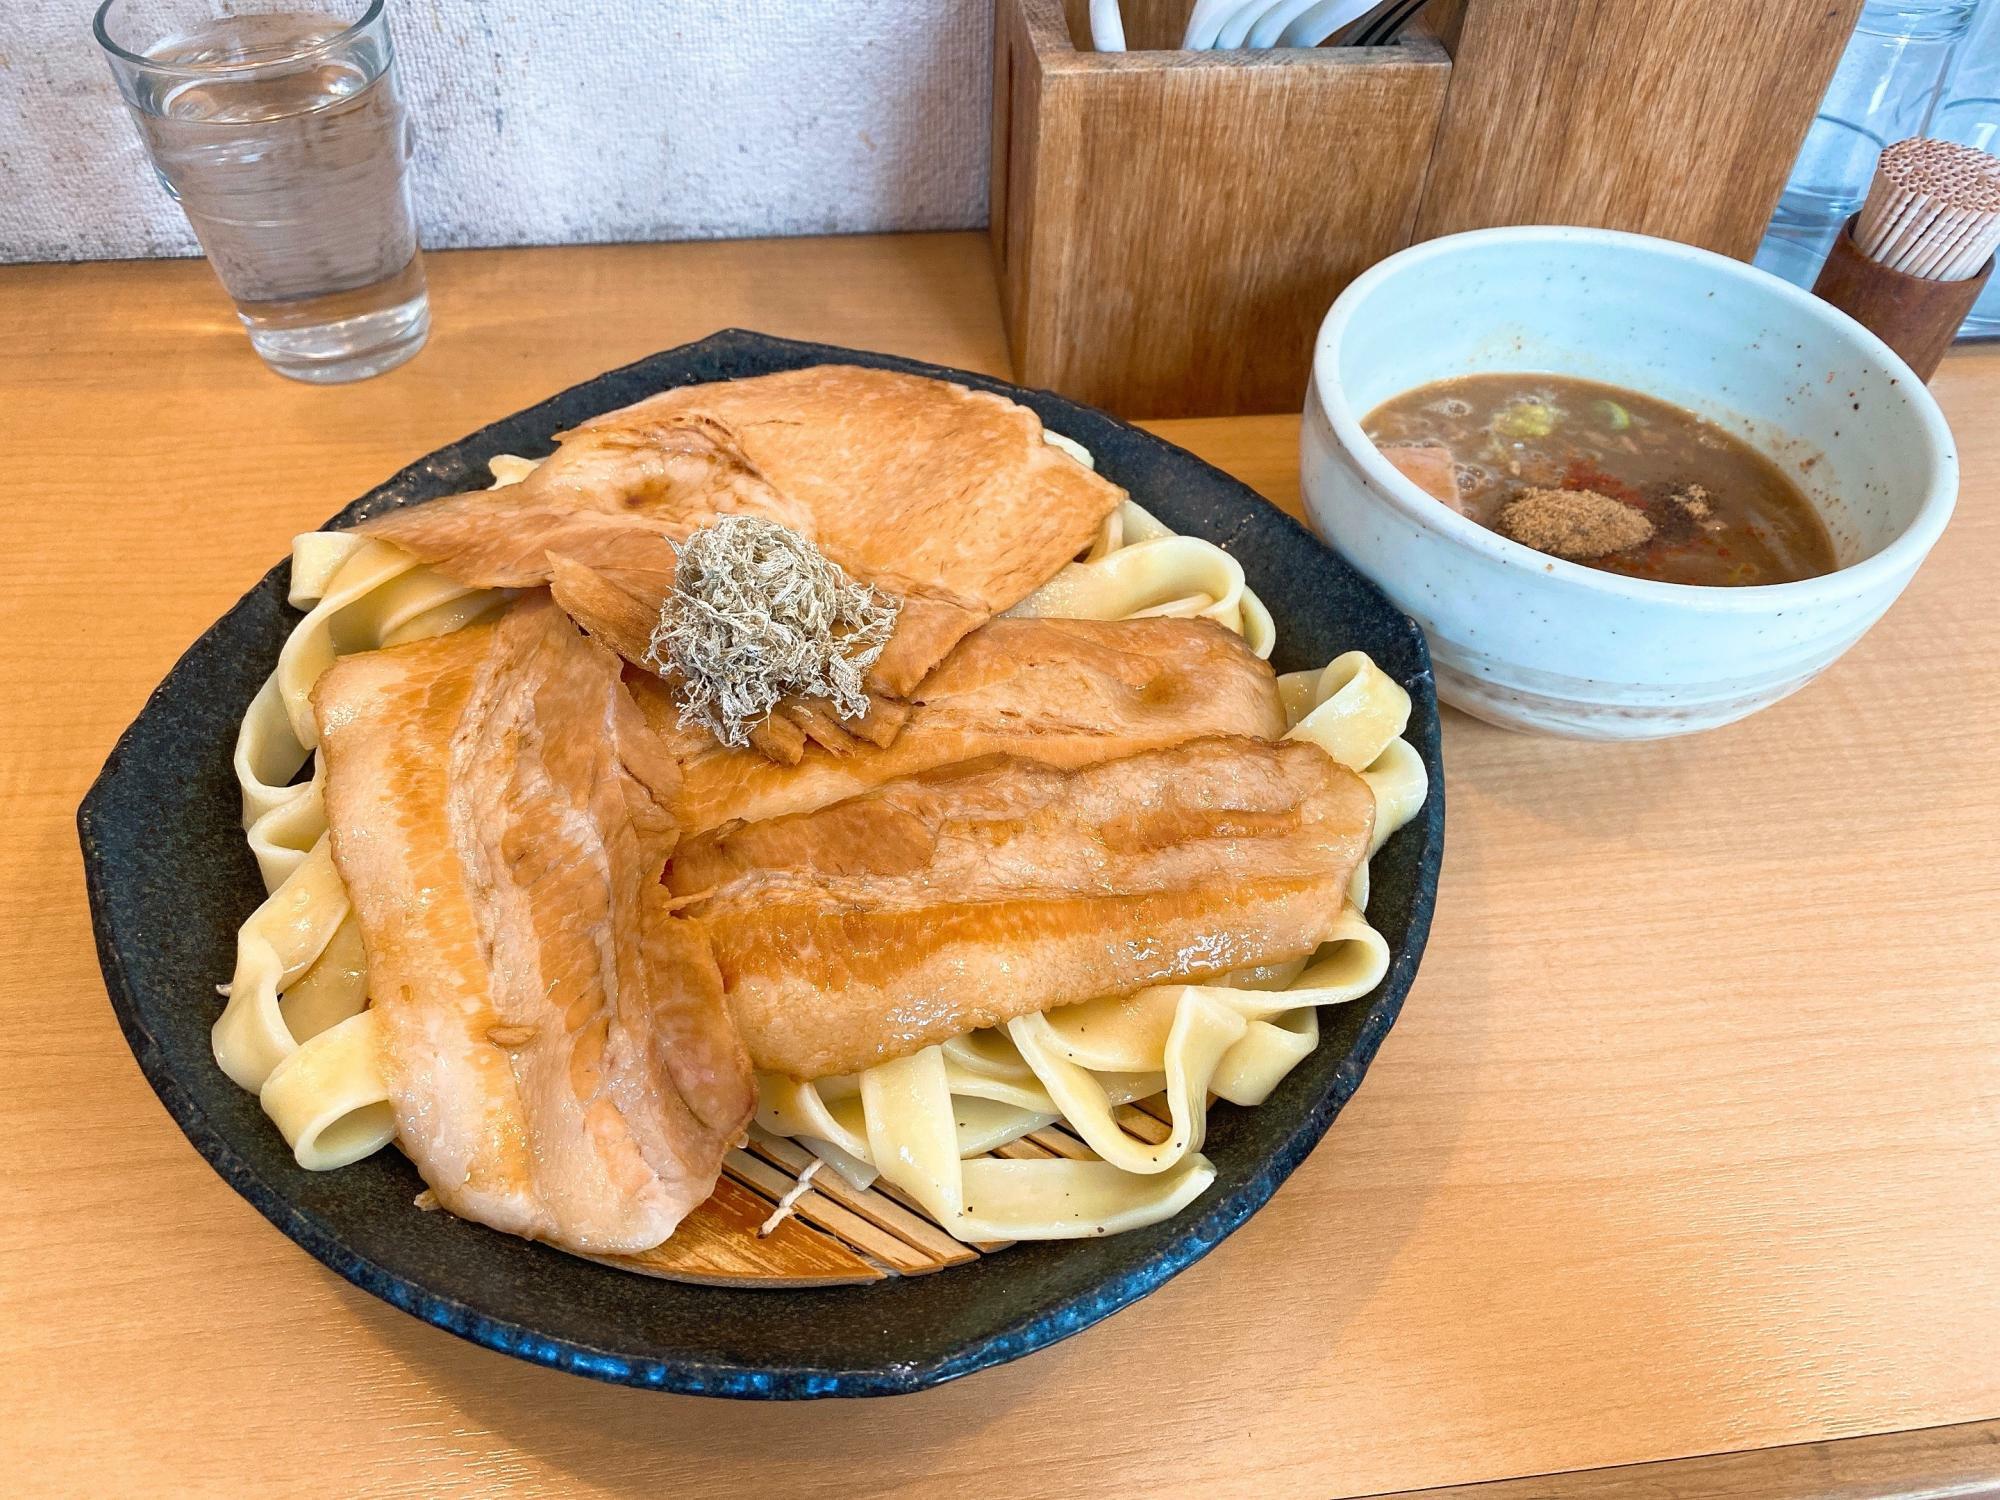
[[1171, 226]]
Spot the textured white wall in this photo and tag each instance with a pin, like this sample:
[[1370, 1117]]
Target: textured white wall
[[556, 121]]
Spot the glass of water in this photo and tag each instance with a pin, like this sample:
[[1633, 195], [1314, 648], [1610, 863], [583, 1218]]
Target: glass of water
[[279, 131]]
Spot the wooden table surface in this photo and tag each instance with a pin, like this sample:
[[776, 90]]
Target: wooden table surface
[[1688, 1140]]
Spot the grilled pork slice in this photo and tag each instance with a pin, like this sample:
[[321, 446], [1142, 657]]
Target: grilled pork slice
[[555, 1041], [966, 896], [1065, 692], [946, 497]]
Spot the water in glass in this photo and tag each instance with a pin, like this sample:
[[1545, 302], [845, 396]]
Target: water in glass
[[282, 137]]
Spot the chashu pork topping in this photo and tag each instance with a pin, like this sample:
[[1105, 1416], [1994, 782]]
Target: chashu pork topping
[[555, 1041], [1065, 692], [965, 896], [945, 498]]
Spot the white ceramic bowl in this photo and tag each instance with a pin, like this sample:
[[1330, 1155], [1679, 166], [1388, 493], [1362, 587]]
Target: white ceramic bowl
[[1535, 643]]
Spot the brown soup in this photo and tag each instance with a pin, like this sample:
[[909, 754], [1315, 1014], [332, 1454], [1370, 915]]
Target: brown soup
[[1606, 477]]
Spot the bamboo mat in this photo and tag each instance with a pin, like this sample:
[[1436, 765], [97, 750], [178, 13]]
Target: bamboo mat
[[830, 1232]]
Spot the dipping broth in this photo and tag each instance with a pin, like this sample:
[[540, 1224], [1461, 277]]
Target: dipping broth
[[1606, 477]]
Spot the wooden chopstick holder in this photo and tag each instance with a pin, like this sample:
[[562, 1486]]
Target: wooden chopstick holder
[[1916, 317]]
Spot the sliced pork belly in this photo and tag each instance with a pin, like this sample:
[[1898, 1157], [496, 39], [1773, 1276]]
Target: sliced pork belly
[[618, 606], [555, 1041], [1065, 692], [966, 896], [946, 497]]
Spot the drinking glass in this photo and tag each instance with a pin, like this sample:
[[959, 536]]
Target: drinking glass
[[279, 132], [1883, 91]]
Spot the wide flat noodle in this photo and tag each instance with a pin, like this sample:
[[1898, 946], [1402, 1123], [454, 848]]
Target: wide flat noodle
[[908, 1106], [1138, 568], [329, 1097], [359, 596], [276, 948]]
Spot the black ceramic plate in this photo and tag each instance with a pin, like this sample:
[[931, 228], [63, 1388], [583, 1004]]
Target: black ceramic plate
[[170, 879]]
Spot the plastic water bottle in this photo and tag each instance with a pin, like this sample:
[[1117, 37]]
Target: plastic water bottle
[[1970, 114], [1886, 88]]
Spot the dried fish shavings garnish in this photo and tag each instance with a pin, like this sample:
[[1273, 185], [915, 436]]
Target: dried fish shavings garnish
[[758, 614]]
